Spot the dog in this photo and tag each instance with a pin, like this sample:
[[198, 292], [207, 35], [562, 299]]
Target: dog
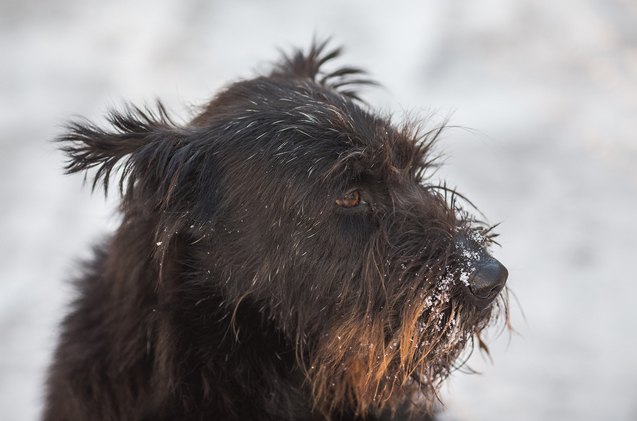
[[284, 255]]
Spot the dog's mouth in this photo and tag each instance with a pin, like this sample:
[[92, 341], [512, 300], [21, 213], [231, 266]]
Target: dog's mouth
[[432, 312], [365, 363], [455, 311]]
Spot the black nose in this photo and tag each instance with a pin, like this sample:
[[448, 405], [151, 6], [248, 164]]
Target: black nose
[[488, 279]]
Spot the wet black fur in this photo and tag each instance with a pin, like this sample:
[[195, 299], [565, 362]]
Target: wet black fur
[[233, 261]]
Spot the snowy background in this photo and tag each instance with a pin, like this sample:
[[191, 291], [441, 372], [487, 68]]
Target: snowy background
[[548, 88]]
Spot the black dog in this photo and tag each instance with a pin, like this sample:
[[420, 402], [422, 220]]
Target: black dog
[[283, 256]]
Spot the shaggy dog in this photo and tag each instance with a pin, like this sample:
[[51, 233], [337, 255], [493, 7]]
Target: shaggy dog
[[282, 256]]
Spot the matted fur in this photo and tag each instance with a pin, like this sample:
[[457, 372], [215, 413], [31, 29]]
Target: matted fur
[[236, 287]]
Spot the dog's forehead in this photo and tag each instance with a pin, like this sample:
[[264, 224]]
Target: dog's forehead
[[286, 116]]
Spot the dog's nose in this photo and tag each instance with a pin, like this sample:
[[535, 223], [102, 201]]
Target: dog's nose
[[488, 279]]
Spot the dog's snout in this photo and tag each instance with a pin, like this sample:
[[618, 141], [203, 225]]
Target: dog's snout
[[488, 279]]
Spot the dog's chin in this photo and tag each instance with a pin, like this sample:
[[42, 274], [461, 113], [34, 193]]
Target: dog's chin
[[449, 333], [363, 365]]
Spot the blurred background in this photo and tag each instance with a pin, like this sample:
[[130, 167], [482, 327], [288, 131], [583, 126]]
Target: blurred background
[[548, 90]]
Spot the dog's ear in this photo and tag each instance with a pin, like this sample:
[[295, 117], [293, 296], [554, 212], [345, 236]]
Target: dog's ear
[[149, 154], [310, 65]]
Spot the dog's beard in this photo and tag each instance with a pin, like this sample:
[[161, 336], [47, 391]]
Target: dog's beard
[[410, 345]]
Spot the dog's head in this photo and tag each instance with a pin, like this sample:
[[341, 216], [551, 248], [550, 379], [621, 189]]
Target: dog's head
[[298, 199]]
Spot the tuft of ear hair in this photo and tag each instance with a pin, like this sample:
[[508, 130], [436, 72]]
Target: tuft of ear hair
[[310, 64], [145, 144]]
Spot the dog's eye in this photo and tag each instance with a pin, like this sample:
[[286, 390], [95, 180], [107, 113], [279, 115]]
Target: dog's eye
[[350, 200]]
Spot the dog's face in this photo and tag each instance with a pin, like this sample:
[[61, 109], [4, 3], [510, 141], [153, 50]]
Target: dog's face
[[299, 200]]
